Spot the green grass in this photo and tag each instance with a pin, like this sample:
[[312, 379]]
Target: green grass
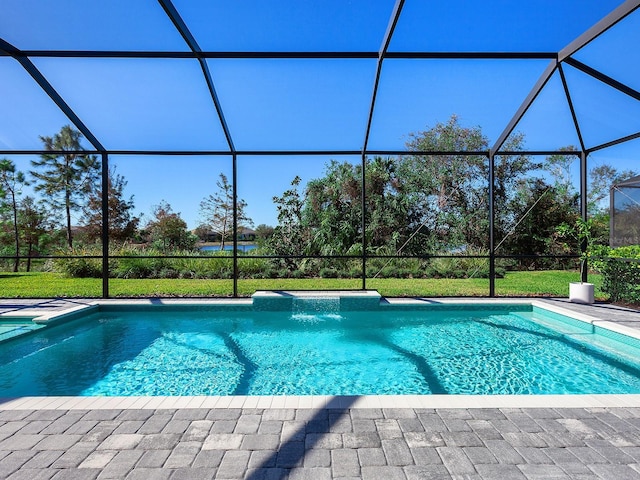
[[49, 285]]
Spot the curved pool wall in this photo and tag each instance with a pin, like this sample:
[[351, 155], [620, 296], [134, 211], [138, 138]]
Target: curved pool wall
[[341, 301]]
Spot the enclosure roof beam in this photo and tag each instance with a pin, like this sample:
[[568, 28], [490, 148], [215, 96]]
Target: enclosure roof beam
[[51, 92], [613, 143], [288, 55], [528, 101], [574, 117], [298, 153], [471, 55], [393, 21], [604, 78], [621, 12], [181, 26]]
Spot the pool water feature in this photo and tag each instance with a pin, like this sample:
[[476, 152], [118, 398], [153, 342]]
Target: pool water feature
[[310, 350]]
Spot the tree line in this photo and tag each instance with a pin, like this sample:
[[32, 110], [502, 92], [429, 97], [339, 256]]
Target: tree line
[[414, 204], [438, 204]]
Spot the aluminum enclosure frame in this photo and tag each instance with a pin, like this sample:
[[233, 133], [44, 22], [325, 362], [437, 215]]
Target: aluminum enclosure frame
[[556, 62]]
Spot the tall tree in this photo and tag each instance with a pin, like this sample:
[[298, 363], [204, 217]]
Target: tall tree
[[33, 223], [539, 208], [447, 190], [122, 224], [66, 175], [449, 193], [559, 166], [217, 211], [333, 207], [11, 183], [168, 229], [290, 237]]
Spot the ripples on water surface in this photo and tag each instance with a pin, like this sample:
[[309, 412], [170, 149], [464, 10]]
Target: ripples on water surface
[[213, 352]]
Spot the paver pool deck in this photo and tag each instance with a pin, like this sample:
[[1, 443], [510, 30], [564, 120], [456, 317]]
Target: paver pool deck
[[414, 437]]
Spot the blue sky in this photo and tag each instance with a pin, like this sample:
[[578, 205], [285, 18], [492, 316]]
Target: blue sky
[[163, 104]]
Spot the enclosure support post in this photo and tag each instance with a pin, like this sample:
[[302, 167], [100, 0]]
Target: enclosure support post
[[105, 225], [363, 224], [583, 210], [235, 225], [492, 256], [612, 213]]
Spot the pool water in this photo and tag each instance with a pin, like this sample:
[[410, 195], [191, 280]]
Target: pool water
[[12, 327], [236, 351]]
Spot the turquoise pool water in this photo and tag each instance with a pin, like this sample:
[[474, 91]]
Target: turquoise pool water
[[14, 326], [238, 351]]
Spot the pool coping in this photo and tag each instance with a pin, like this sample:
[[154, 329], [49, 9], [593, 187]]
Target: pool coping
[[322, 401]]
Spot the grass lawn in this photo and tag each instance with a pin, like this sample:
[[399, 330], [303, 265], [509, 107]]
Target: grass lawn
[[49, 285]]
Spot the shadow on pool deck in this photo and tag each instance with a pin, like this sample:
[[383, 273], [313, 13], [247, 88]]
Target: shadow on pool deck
[[45, 305], [291, 453]]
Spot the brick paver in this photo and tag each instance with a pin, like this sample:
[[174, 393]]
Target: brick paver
[[301, 443]]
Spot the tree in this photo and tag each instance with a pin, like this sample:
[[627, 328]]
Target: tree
[[11, 183], [414, 204], [539, 208], [448, 193], [512, 175], [332, 211], [168, 230], [217, 211], [202, 232], [122, 225], [263, 233], [559, 166], [65, 178], [289, 237], [32, 219], [333, 208]]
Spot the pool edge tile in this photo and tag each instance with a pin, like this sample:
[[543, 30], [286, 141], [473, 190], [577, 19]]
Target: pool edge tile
[[237, 402], [278, 401], [264, 401], [223, 402], [210, 402]]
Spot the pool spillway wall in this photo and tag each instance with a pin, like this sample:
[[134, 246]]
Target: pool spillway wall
[[286, 300]]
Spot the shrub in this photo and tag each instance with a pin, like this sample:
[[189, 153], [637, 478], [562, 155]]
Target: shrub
[[621, 274], [253, 267], [328, 273], [297, 274], [80, 267], [457, 267], [354, 271], [390, 271], [133, 268]]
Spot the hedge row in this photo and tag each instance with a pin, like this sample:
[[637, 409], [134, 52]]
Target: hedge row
[[219, 265], [620, 270]]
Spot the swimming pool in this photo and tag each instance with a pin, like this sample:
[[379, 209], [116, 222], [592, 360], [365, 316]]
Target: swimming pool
[[324, 347]]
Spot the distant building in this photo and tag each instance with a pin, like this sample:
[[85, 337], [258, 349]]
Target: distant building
[[244, 235]]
